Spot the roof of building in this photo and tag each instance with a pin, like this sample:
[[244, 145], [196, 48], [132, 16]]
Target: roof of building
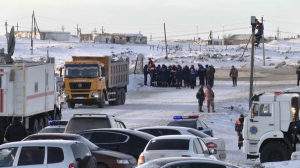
[[129, 35], [240, 37]]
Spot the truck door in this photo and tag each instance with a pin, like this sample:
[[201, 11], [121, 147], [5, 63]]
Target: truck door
[[261, 121], [3, 91], [46, 88]]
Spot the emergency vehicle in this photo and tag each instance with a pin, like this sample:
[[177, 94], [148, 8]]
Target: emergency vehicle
[[272, 128]]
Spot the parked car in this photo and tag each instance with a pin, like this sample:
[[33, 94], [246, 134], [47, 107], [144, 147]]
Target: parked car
[[175, 146], [46, 154], [211, 143], [105, 158], [184, 162], [55, 126], [82, 122], [191, 122], [123, 140]]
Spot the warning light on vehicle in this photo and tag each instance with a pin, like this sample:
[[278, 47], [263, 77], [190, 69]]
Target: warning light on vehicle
[[185, 117], [55, 122]]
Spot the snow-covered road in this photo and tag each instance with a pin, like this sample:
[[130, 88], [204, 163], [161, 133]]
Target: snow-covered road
[[148, 106]]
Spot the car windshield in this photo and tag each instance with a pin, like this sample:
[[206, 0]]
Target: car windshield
[[76, 125], [189, 124], [168, 144], [90, 145], [52, 130], [81, 71]]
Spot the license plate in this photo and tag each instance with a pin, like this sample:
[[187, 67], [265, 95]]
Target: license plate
[[79, 97]]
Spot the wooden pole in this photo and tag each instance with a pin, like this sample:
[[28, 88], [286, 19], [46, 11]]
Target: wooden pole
[[32, 33], [166, 41], [6, 34]]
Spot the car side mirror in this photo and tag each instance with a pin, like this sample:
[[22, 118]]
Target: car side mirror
[[213, 151], [200, 128]]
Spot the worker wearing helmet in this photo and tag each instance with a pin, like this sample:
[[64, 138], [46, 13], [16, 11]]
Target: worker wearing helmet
[[239, 129]]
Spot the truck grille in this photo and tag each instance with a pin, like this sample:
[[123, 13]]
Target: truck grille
[[80, 95], [80, 85]]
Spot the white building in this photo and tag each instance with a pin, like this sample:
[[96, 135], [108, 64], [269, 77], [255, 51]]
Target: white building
[[45, 35]]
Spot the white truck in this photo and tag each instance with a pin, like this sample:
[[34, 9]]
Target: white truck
[[272, 127], [28, 90]]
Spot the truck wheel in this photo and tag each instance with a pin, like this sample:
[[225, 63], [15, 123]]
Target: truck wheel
[[35, 126], [41, 124], [111, 103], [71, 105], [101, 104], [123, 96], [274, 152], [118, 97]]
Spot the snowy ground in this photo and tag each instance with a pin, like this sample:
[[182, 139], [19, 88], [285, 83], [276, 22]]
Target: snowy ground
[[148, 106]]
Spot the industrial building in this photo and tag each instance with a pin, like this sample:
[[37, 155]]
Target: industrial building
[[45, 35]]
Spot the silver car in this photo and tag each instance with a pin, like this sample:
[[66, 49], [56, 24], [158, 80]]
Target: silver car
[[46, 154], [181, 162]]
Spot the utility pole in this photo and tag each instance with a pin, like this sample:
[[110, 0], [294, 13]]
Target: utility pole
[[166, 41], [151, 37], [62, 28], [6, 33], [263, 41], [252, 59], [32, 33], [102, 30], [17, 29], [277, 33]]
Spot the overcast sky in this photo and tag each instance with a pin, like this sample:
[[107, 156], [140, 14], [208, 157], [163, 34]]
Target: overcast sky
[[131, 16]]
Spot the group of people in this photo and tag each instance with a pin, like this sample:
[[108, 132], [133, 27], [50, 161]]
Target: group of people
[[209, 95], [16, 131], [163, 76]]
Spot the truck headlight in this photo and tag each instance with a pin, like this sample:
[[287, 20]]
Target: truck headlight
[[96, 95], [120, 161], [293, 110], [66, 95]]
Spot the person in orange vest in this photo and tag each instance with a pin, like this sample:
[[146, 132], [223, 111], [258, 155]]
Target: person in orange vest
[[152, 75], [239, 129]]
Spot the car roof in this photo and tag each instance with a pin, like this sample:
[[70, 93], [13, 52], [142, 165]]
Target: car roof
[[186, 120], [55, 134], [125, 131], [163, 161], [175, 137], [165, 127], [38, 142]]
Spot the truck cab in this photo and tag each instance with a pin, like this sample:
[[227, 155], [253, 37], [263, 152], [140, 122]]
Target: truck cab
[[268, 129]]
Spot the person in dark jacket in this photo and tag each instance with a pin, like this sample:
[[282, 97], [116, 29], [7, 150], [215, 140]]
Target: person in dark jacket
[[201, 97], [169, 80], [260, 32], [298, 75], [164, 76], [186, 76], [239, 129], [205, 74], [179, 67], [16, 131], [210, 76], [193, 77], [173, 71], [145, 74], [158, 75], [234, 74], [152, 75], [178, 76], [201, 72]]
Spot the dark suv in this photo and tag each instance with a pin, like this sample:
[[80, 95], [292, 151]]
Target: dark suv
[[105, 158], [82, 122]]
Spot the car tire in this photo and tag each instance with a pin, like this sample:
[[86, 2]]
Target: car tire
[[71, 105], [88, 162], [101, 165], [101, 104], [274, 152]]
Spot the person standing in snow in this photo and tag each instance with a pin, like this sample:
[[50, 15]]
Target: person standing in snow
[[205, 74], [193, 77], [201, 75], [169, 75], [298, 75], [234, 74], [178, 76], [201, 97], [145, 74], [239, 125], [164, 76], [186, 76], [152, 75], [210, 96], [210, 76]]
